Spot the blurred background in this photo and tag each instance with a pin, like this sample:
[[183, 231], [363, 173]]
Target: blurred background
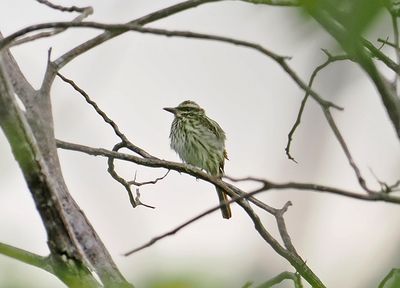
[[347, 242]]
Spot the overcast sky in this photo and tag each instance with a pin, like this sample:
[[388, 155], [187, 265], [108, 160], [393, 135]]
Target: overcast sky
[[347, 242]]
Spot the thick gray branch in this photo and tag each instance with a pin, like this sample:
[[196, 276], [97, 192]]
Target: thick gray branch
[[31, 136], [41, 185]]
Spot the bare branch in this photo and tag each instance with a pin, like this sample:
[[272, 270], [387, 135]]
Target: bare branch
[[386, 42], [111, 170], [95, 106], [236, 195], [63, 8], [37, 176], [20, 84], [194, 219], [281, 277], [346, 150], [157, 15], [282, 227], [281, 60], [330, 60], [181, 226], [180, 167], [134, 182], [386, 188], [126, 143], [85, 12], [356, 48], [268, 185]]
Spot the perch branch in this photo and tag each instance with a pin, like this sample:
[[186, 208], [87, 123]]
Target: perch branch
[[293, 258]]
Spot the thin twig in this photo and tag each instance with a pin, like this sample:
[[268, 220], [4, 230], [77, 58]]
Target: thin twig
[[328, 61], [63, 8], [287, 241], [134, 182], [126, 143], [342, 142], [381, 56], [356, 48], [387, 42], [295, 277], [85, 12], [386, 188], [92, 103], [186, 223], [268, 185], [135, 201], [203, 214], [107, 35]]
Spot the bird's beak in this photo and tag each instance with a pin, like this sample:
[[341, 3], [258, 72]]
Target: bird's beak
[[172, 110]]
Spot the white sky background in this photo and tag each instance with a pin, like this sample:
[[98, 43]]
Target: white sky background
[[347, 242]]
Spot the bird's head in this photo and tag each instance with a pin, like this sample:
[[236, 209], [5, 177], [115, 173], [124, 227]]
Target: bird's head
[[186, 108]]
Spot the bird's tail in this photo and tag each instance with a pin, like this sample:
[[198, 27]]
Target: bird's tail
[[225, 209]]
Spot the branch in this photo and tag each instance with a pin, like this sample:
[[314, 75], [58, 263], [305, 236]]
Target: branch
[[182, 168], [346, 150], [126, 143], [355, 48], [134, 182], [63, 8], [328, 61], [207, 212], [183, 225], [281, 60], [157, 15], [35, 170], [292, 3], [20, 84], [85, 12], [27, 257], [386, 42], [268, 185], [381, 56], [385, 187], [281, 277], [235, 193], [135, 201]]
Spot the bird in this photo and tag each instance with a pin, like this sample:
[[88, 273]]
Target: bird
[[200, 141]]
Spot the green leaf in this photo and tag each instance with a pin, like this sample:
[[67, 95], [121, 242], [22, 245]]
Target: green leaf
[[392, 280]]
